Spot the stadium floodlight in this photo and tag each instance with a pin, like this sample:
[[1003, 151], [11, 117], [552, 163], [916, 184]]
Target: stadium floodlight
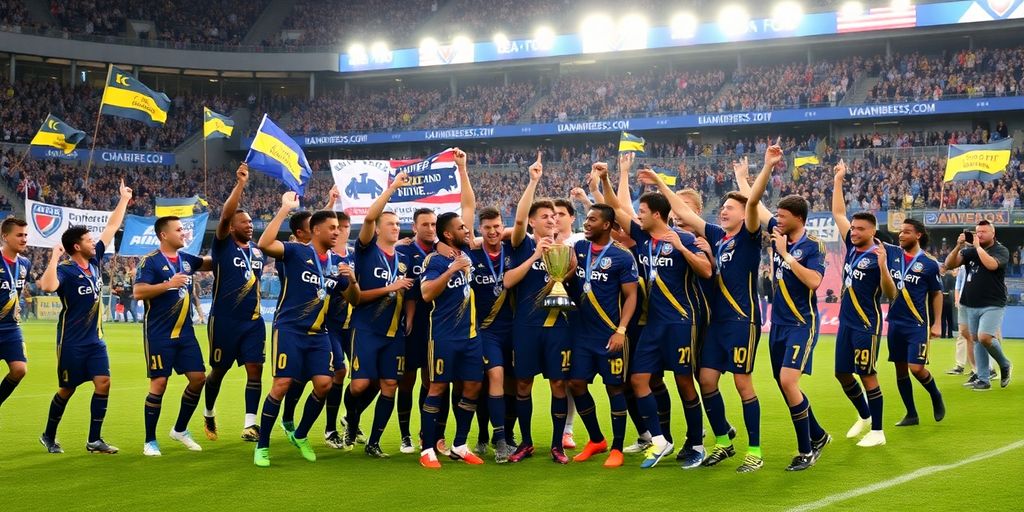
[[357, 54], [462, 43], [851, 9], [683, 26], [501, 41], [380, 52], [901, 5], [633, 24], [787, 15], [544, 38], [428, 44], [733, 20], [596, 23]]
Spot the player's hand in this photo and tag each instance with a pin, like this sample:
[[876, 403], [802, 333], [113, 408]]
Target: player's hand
[[961, 240], [741, 169], [673, 238], [179, 280], [615, 343], [445, 250], [840, 171], [126, 192], [289, 201], [403, 241], [536, 168], [647, 177], [578, 194], [401, 180], [346, 272], [705, 247], [881, 253], [779, 242], [599, 170], [626, 161], [242, 174], [542, 247], [402, 283], [460, 264], [58, 251], [460, 157], [334, 194], [773, 155]]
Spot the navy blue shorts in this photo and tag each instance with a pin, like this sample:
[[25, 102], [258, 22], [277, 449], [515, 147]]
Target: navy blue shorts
[[856, 351], [416, 348], [338, 342], [908, 344], [543, 350], [456, 361], [497, 345], [300, 356], [376, 356], [731, 347], [12, 347], [792, 346], [590, 358], [83, 363], [182, 355], [665, 347], [236, 342]]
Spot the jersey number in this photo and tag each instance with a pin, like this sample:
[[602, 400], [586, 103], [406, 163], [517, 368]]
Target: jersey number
[[739, 355], [65, 374], [282, 361], [156, 363], [616, 365], [566, 355], [922, 351], [796, 352], [401, 363], [439, 367], [684, 355], [862, 357], [217, 355]]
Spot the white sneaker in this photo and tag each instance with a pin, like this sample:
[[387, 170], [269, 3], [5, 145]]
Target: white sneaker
[[640, 446], [858, 428], [873, 438], [407, 446], [151, 449], [185, 438]]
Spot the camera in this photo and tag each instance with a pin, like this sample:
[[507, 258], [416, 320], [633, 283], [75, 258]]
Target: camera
[[968, 236]]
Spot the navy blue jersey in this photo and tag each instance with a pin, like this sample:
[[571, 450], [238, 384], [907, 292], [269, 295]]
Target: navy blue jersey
[[794, 303], [674, 294], [916, 278], [453, 312], [493, 301], [308, 282], [860, 308], [643, 301], [737, 259], [79, 293], [340, 311], [528, 292], [168, 315], [375, 269], [236, 279], [415, 257], [600, 298], [12, 282]]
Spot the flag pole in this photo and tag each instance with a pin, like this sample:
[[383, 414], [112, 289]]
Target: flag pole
[[96, 131], [206, 189], [22, 159]]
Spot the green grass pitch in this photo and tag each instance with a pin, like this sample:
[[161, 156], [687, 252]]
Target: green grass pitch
[[222, 477]]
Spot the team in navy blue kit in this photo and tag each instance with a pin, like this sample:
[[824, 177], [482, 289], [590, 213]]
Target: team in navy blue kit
[[12, 283], [339, 315], [81, 351], [163, 282]]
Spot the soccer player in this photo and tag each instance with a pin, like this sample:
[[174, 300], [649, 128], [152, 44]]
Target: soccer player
[[12, 282], [732, 337], [672, 264], [565, 217], [541, 338], [417, 327], [81, 352], [236, 330], [163, 282], [378, 324], [798, 262], [605, 288], [339, 314], [301, 348], [865, 277]]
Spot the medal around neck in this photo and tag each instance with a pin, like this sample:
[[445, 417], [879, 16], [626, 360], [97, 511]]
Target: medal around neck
[[557, 259]]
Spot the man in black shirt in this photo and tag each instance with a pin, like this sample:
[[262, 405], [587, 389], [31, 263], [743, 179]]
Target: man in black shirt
[[984, 297], [948, 290]]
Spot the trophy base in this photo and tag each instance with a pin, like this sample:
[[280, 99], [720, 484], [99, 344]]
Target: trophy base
[[559, 303]]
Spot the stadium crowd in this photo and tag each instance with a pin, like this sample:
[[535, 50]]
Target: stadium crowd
[[973, 73]]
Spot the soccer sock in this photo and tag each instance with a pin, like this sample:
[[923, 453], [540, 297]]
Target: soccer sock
[[694, 423], [212, 390], [617, 402], [482, 418], [714, 406], [511, 413], [97, 412], [352, 410], [588, 413], [381, 417], [153, 403], [271, 408], [559, 410], [816, 431], [996, 351], [57, 406], [856, 396], [291, 401], [634, 412], [664, 401], [310, 412], [906, 388], [570, 413], [404, 405], [253, 391], [799, 414], [648, 407], [875, 403], [422, 396], [333, 404], [524, 412], [6, 388], [496, 413], [428, 420], [752, 420], [464, 412], [929, 385], [442, 417], [189, 402]]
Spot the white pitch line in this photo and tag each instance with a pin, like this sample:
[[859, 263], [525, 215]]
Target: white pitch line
[[925, 471]]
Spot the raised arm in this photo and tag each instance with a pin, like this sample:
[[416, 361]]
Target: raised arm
[[268, 240], [377, 208], [839, 201], [623, 214], [679, 207], [523, 208], [231, 204], [757, 213], [594, 183], [772, 156], [953, 259], [117, 217], [622, 193], [332, 198], [467, 199], [48, 282]]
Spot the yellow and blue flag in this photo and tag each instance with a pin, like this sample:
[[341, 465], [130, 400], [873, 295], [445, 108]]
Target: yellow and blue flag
[[126, 96], [274, 153], [55, 133], [216, 126], [803, 158], [631, 143], [667, 175], [176, 206], [984, 162]]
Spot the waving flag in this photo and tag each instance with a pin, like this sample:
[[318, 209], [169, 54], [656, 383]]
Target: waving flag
[[984, 162], [803, 158], [126, 96], [55, 133], [669, 176], [216, 126], [176, 206], [274, 153], [631, 143]]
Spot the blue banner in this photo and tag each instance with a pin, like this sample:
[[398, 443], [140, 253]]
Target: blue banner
[[106, 156], [857, 112], [140, 239]]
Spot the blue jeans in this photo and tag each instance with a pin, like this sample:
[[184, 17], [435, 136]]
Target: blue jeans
[[987, 320]]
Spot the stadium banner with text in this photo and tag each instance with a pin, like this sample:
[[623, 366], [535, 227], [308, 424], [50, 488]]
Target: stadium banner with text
[[434, 184], [46, 307], [965, 218], [140, 239], [855, 112], [47, 222], [907, 15], [106, 156]]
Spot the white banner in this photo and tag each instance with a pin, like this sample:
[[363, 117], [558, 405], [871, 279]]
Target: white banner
[[47, 222]]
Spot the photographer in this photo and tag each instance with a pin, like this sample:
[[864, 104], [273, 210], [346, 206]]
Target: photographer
[[983, 300]]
